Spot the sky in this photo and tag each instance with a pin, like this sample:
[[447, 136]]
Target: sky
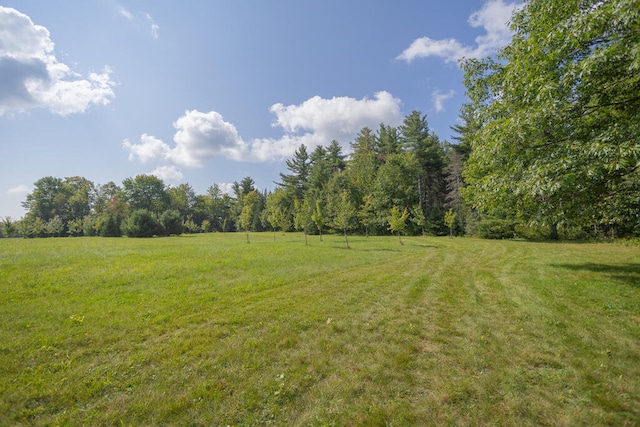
[[205, 92]]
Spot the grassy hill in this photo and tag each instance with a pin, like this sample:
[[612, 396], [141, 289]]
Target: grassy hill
[[210, 330]]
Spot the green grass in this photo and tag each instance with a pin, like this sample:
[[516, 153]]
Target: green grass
[[210, 330]]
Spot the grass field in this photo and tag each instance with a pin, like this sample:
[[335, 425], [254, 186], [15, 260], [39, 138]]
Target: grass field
[[210, 330]]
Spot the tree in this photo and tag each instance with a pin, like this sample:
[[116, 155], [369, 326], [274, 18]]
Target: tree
[[220, 207], [397, 221], [417, 217], [74, 227], [387, 141], [319, 170], [277, 212], [335, 158], [302, 218], [32, 226], [250, 210], [182, 199], [319, 217], [142, 223], [54, 227], [297, 182], [171, 222], [449, 220], [47, 198], [560, 116], [146, 192], [81, 195], [363, 166], [396, 185], [429, 155], [367, 213], [345, 217], [465, 130], [110, 226], [8, 227]]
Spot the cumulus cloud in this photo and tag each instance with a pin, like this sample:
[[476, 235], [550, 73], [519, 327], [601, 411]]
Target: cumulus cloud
[[199, 137], [439, 98], [20, 189], [202, 136], [150, 148], [317, 121], [168, 173], [32, 77], [493, 18]]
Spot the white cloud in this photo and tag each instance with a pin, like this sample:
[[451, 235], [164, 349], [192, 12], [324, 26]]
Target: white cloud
[[32, 77], [155, 28], [226, 188], [202, 136], [20, 189], [449, 49], [317, 121], [150, 148], [199, 137], [439, 98], [124, 12], [493, 18], [168, 173]]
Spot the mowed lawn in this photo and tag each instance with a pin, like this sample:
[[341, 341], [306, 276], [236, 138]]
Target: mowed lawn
[[211, 330]]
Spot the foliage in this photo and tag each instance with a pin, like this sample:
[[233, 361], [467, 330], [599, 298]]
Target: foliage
[[250, 212], [8, 227], [142, 223], [171, 222], [560, 116], [345, 218], [296, 183], [146, 192], [495, 228], [397, 221], [303, 217], [111, 226], [450, 219]]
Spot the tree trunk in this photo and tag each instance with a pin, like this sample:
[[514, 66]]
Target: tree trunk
[[346, 239], [553, 232]]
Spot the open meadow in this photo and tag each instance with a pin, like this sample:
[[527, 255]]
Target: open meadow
[[210, 330]]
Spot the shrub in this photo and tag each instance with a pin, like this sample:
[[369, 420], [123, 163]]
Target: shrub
[[142, 223], [111, 227], [493, 228], [171, 222]]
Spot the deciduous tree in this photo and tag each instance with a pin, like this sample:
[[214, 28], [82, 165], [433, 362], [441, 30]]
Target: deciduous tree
[[560, 115]]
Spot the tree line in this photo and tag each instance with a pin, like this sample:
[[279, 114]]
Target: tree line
[[547, 146], [399, 180]]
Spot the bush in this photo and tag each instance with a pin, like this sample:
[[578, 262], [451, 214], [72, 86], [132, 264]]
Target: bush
[[142, 223], [495, 229], [171, 222], [111, 227]]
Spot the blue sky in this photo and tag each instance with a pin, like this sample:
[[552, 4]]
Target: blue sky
[[209, 92]]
